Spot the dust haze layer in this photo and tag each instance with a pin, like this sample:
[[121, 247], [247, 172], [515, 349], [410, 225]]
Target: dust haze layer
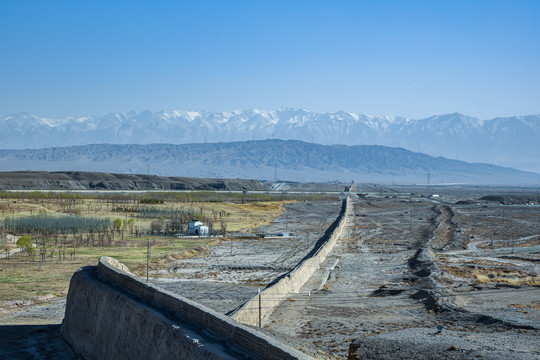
[[290, 160]]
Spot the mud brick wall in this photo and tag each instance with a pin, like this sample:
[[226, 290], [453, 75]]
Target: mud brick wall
[[111, 314], [293, 281]]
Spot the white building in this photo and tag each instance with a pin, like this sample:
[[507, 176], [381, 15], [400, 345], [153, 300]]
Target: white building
[[196, 227]]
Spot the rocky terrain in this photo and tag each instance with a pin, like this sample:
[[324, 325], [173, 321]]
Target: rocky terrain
[[412, 264]]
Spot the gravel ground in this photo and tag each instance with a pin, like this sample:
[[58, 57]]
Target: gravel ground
[[231, 272], [38, 342], [425, 343], [49, 313], [30, 331], [392, 305]]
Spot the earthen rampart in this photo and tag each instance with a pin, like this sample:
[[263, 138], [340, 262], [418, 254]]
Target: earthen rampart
[[110, 314], [261, 306]]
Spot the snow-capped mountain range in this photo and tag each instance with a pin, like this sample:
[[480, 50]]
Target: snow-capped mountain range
[[509, 141]]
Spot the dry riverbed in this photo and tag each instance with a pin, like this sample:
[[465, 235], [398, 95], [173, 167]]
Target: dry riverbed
[[392, 289]]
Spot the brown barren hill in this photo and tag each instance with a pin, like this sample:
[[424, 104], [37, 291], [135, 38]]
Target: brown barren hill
[[80, 180]]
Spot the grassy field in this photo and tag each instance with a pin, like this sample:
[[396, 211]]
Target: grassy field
[[21, 277], [236, 216]]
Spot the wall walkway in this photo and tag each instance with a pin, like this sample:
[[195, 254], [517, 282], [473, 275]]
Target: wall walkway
[[110, 314]]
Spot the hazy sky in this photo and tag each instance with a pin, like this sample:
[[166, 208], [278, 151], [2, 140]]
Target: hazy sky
[[409, 58]]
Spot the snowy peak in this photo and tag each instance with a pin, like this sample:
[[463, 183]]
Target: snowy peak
[[509, 141], [284, 117]]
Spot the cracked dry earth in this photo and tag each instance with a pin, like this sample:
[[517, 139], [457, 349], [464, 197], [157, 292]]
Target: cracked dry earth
[[392, 288]]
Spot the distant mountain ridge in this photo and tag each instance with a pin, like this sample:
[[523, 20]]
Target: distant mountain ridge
[[508, 141], [263, 159]]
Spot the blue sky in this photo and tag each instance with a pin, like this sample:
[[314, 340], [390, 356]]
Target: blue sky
[[408, 58]]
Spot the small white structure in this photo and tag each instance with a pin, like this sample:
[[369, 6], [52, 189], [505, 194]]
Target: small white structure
[[196, 227]]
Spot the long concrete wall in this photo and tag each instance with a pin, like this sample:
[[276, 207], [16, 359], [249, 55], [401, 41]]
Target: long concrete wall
[[292, 282], [110, 314]]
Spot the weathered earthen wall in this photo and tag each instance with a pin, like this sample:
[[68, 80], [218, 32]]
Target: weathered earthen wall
[[110, 314], [293, 281]]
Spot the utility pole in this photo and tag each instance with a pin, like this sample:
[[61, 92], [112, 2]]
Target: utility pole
[[260, 308], [428, 183], [148, 260], [491, 235]]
